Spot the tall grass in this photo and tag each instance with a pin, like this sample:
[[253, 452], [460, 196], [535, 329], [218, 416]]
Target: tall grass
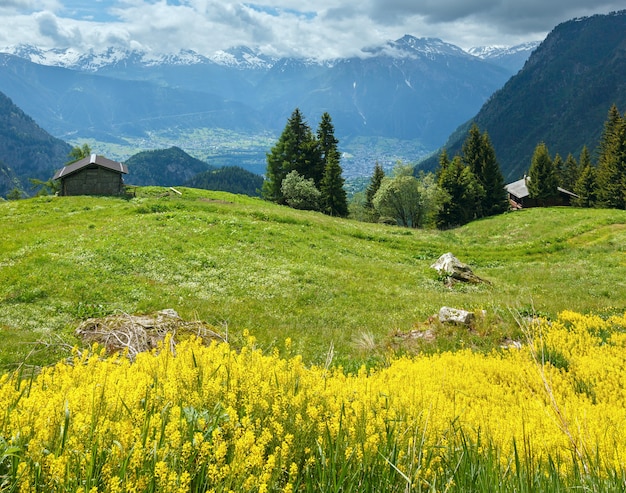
[[240, 263]]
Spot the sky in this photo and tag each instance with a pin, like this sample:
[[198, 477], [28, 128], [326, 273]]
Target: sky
[[323, 29]]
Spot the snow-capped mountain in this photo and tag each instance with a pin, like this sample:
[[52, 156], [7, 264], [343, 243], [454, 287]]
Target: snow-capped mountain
[[71, 58], [486, 52], [411, 47], [114, 61], [511, 57], [244, 58], [412, 89], [94, 61]]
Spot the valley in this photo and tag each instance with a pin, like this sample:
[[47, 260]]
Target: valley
[[223, 147], [399, 101], [180, 338]]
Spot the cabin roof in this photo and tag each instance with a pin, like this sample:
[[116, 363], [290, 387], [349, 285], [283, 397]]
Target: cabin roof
[[520, 190], [90, 161]]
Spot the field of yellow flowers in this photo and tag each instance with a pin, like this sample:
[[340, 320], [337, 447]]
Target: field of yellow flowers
[[548, 416]]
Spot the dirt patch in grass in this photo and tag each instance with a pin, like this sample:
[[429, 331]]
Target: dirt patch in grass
[[215, 201], [138, 333]]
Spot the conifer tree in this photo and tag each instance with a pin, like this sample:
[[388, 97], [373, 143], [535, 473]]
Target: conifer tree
[[327, 172], [327, 147], [333, 196], [479, 155], [495, 197], [374, 185], [569, 173], [611, 171], [584, 159], [464, 193], [444, 162], [586, 187], [542, 178], [558, 165], [296, 150], [472, 151]]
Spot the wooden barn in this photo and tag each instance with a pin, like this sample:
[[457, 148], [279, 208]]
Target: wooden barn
[[519, 198], [93, 175]]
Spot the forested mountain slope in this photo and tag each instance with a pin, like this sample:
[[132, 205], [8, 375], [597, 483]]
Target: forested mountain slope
[[561, 97], [26, 150]]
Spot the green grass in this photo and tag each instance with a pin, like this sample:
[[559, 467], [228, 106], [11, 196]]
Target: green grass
[[242, 263]]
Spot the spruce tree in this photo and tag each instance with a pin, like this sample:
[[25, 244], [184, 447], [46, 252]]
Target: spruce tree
[[444, 162], [374, 185], [297, 150], [586, 187], [584, 159], [495, 199], [464, 193], [327, 147], [558, 165], [333, 196], [472, 151], [611, 171], [479, 155], [542, 178], [569, 173]]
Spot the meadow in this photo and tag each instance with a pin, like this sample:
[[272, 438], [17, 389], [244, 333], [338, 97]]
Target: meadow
[[319, 386]]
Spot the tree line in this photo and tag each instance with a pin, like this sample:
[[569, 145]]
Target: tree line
[[467, 187], [304, 170], [599, 184]]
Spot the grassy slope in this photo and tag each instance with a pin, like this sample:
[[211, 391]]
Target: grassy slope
[[241, 263]]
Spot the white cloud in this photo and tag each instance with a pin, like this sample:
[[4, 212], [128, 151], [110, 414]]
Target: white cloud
[[61, 34], [283, 27]]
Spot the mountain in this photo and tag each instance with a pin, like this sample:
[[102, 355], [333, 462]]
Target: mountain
[[174, 167], [229, 73], [561, 97], [415, 90], [8, 180], [407, 89], [240, 57], [26, 150], [77, 104], [509, 57], [163, 167], [233, 179]]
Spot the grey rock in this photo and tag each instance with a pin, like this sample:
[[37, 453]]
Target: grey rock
[[454, 315], [454, 270]]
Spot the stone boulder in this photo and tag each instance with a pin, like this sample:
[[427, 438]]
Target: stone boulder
[[454, 315], [452, 269]]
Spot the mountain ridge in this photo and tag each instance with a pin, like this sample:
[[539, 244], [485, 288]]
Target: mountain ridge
[[244, 56], [26, 150], [510, 57], [561, 96], [415, 90]]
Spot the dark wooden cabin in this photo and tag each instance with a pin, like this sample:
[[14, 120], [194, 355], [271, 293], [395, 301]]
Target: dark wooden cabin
[[93, 175], [519, 197]]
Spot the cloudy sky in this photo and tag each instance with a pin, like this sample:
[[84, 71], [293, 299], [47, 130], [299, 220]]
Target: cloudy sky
[[320, 29]]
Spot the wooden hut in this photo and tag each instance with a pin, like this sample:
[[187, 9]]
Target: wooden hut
[[92, 175], [519, 198]]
